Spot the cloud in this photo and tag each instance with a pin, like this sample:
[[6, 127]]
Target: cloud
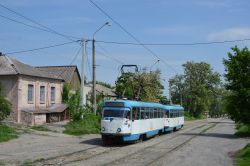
[[229, 34]]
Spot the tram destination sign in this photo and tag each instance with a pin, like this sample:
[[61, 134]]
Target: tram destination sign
[[114, 104]]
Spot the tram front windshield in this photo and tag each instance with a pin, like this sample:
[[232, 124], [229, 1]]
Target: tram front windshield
[[115, 113]]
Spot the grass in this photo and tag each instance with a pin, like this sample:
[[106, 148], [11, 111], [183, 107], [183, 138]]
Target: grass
[[7, 133], [189, 118], [242, 130], [40, 128], [90, 124], [243, 157]]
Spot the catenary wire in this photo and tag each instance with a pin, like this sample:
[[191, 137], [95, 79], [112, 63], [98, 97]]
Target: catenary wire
[[130, 34], [173, 44], [37, 23], [108, 54]]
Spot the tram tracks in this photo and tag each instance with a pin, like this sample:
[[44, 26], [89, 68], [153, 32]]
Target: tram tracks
[[95, 151], [179, 146], [140, 154]]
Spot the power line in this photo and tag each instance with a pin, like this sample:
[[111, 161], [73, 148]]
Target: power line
[[103, 54], [41, 48], [108, 54], [37, 23], [130, 34], [173, 44], [72, 61], [19, 22]]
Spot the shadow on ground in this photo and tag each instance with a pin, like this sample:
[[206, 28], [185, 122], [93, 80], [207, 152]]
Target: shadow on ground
[[98, 142], [217, 135]]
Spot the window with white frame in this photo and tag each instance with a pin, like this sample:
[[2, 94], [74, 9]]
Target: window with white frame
[[42, 94], [53, 94], [30, 93]]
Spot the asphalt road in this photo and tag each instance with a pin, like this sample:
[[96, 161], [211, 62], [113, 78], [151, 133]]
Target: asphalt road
[[205, 142]]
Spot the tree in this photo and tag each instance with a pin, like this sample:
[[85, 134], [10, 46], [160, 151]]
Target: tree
[[5, 106], [237, 75], [196, 87], [140, 86], [177, 88], [65, 93]]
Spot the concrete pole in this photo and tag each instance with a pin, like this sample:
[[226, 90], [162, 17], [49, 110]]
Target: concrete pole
[[94, 76], [83, 96]]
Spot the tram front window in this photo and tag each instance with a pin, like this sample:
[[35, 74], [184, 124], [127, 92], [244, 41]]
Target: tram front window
[[115, 113]]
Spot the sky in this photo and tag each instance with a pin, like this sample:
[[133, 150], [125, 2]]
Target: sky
[[150, 21]]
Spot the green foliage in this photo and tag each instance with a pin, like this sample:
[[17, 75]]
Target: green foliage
[[7, 133], [5, 106], [242, 130], [238, 83], [76, 110], [40, 128], [66, 93], [243, 157], [140, 86], [198, 89], [90, 124]]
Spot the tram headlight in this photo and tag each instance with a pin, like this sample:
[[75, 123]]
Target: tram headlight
[[119, 130], [103, 128]]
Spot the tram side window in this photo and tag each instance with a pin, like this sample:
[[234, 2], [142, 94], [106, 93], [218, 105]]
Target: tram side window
[[155, 113], [162, 113], [142, 112], [151, 110], [167, 114], [135, 113], [147, 113], [171, 114]]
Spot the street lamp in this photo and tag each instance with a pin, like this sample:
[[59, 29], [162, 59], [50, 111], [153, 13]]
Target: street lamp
[[94, 66]]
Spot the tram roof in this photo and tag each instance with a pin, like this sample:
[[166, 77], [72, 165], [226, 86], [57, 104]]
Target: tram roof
[[132, 103], [170, 107]]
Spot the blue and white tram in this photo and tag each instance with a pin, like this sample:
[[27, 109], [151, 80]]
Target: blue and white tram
[[128, 120], [174, 117]]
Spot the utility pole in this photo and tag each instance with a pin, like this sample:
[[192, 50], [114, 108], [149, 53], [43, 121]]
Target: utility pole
[[83, 97], [94, 76], [94, 66]]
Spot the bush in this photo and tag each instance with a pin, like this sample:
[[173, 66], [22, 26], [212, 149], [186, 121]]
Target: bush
[[242, 130], [76, 110], [90, 124], [5, 106], [6, 133], [243, 158]]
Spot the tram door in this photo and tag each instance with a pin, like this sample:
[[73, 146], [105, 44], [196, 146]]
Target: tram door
[[167, 117], [135, 126]]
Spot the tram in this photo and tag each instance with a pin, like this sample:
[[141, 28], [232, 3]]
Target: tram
[[128, 120]]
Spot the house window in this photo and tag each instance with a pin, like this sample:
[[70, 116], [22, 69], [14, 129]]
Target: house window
[[42, 94], [53, 94], [30, 93]]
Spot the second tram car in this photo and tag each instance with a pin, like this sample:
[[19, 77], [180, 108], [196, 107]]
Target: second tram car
[[129, 120]]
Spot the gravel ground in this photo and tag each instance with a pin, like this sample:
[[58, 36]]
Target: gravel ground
[[214, 147], [204, 142]]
